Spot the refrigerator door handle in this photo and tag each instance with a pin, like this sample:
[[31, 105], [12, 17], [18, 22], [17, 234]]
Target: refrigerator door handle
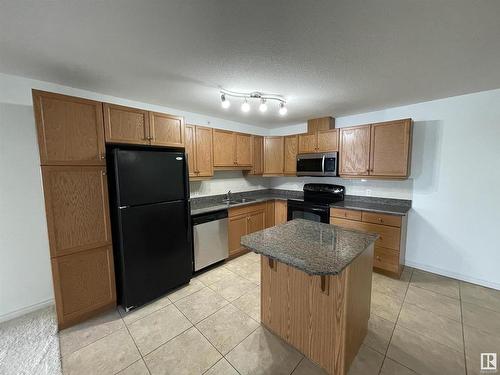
[[123, 207]]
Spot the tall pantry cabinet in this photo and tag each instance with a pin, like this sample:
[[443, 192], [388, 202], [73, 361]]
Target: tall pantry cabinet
[[72, 157]]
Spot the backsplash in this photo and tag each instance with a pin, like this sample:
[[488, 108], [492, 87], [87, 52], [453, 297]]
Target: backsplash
[[223, 181], [361, 187]]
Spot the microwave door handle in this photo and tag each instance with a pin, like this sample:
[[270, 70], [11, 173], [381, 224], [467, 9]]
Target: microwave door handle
[[323, 164]]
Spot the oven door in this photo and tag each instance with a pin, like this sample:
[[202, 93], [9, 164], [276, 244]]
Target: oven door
[[308, 211]]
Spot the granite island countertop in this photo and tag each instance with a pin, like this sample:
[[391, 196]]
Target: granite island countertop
[[213, 203], [315, 248]]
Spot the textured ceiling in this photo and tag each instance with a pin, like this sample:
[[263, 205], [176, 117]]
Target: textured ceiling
[[326, 57]]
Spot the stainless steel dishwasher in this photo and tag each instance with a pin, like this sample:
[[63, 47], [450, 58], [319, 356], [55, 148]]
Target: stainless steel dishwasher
[[210, 238]]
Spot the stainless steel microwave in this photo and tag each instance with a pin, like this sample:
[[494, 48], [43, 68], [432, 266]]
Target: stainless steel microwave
[[317, 164]]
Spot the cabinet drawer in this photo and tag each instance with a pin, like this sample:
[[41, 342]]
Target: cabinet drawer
[[389, 236], [386, 259], [384, 219], [234, 211], [345, 214]]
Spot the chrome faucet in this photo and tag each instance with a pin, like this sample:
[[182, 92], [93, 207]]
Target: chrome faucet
[[229, 196]]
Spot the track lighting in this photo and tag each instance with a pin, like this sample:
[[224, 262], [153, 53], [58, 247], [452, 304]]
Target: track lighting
[[263, 105], [262, 97], [224, 102], [283, 110], [245, 107]]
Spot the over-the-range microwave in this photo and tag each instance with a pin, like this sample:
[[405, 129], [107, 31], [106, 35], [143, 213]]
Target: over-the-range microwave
[[317, 164]]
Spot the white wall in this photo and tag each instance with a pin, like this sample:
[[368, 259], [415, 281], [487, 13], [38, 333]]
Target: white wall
[[25, 275], [454, 223]]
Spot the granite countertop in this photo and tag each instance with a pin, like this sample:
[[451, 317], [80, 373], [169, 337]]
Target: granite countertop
[[315, 248], [200, 205]]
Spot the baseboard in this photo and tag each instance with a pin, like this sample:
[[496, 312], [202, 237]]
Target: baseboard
[[453, 275], [26, 310]]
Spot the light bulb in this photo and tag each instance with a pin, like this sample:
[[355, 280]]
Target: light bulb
[[283, 110], [263, 106], [245, 107], [224, 102]]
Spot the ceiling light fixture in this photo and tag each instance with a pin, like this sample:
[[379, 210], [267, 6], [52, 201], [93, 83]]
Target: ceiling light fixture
[[263, 105], [224, 102], [283, 110], [262, 97], [245, 107]]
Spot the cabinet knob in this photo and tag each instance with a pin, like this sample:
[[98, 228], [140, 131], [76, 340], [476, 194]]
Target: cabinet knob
[[380, 219], [378, 257], [103, 173], [102, 157]]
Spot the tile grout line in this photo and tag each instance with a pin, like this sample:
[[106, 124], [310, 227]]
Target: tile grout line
[[137, 347], [396, 322], [463, 331]]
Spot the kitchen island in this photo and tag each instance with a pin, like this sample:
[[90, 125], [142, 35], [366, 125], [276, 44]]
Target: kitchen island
[[316, 288]]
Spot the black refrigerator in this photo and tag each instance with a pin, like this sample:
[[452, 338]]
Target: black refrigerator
[[151, 222]]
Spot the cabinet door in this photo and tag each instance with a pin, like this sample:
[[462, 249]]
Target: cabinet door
[[257, 155], [280, 212], [70, 130], [84, 283], [237, 228], [126, 125], [166, 130], [328, 140], [323, 123], [270, 212], [291, 149], [308, 143], [355, 151], [204, 159], [273, 155], [190, 149], [224, 148], [256, 221], [243, 149], [76, 204], [390, 148]]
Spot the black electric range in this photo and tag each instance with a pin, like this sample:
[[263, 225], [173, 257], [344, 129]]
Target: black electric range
[[316, 203]]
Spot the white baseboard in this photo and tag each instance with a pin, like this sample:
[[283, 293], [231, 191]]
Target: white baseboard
[[453, 275], [26, 310]]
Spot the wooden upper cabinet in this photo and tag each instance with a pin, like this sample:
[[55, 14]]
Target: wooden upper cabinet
[[224, 145], [204, 159], [76, 203], [308, 143], [323, 123], [70, 130], [232, 150], [198, 142], [390, 148], [257, 155], [166, 130], [126, 125], [328, 140], [355, 151], [273, 155], [243, 149], [190, 148], [290, 154]]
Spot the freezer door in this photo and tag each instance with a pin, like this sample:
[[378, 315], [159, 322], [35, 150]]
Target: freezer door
[[155, 251], [150, 176]]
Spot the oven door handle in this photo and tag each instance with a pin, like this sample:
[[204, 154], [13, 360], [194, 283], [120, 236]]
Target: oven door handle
[[314, 209], [323, 164]]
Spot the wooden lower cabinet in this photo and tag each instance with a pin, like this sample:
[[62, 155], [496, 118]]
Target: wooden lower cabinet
[[244, 220], [270, 213], [390, 248], [280, 212], [84, 284]]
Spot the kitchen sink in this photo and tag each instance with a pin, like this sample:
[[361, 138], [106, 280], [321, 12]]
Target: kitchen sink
[[238, 200]]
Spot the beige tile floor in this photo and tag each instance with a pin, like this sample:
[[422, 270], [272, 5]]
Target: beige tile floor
[[420, 324]]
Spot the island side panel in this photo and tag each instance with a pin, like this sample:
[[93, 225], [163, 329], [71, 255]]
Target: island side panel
[[358, 302], [326, 321]]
